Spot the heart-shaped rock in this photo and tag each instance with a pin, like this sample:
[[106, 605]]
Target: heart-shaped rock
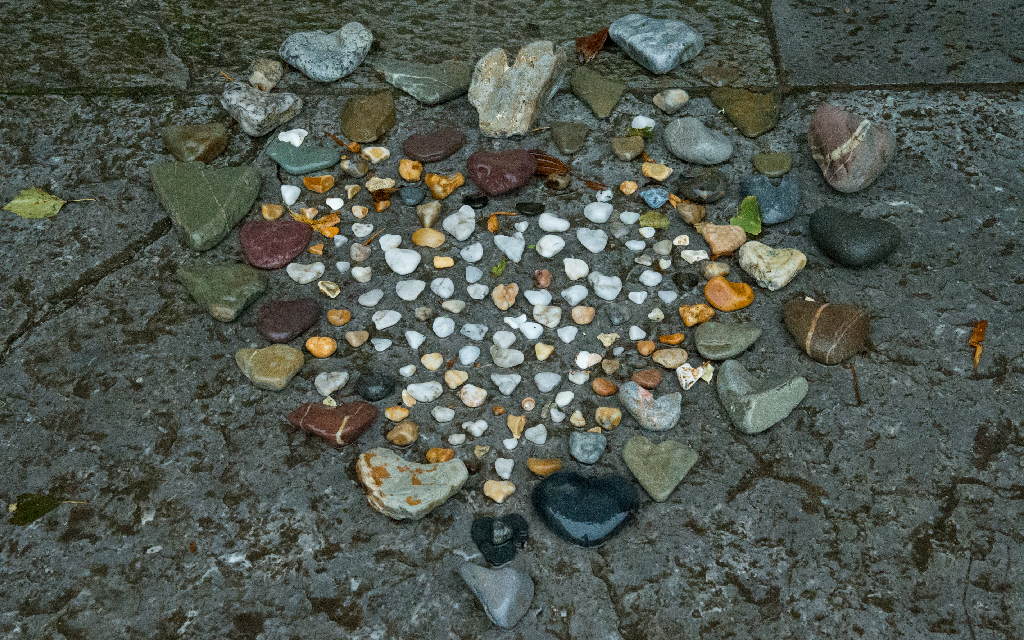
[[499, 539], [772, 268], [659, 468], [402, 489], [851, 151], [509, 98], [829, 333], [505, 593], [204, 203], [434, 146], [725, 295], [775, 203], [851, 240], [339, 426], [273, 244], [259, 112], [301, 160], [659, 414], [224, 290], [498, 172], [285, 320], [326, 57], [305, 273], [658, 45], [583, 510], [751, 405]]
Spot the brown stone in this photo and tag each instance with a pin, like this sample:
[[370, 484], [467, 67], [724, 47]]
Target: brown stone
[[544, 467], [670, 358], [829, 333], [404, 433], [438, 454], [672, 338], [339, 317], [691, 212], [728, 296], [583, 315], [724, 238], [645, 347], [425, 237], [851, 151], [694, 314], [647, 378], [604, 387], [338, 426], [357, 338], [442, 186], [319, 184], [542, 279], [504, 295]]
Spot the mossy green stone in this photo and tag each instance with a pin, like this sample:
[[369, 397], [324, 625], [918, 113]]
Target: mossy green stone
[[569, 137], [202, 142], [627, 148], [271, 367], [752, 113], [719, 341], [302, 160], [204, 203], [224, 289], [366, 118], [655, 219], [659, 468], [599, 92], [773, 165]]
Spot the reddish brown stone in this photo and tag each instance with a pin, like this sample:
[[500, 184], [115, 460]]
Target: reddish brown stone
[[284, 320], [850, 150], [338, 426], [272, 244], [542, 278], [604, 387], [434, 146], [648, 378], [829, 333], [500, 172]]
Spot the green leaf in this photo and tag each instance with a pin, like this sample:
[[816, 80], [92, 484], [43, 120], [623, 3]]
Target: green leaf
[[646, 132], [748, 216], [500, 268], [35, 204], [32, 506], [531, 246]]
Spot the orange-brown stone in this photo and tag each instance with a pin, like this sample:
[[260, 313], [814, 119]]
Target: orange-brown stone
[[647, 378], [672, 338], [437, 454], [645, 347], [694, 314], [728, 296], [321, 346], [339, 317], [604, 387], [320, 184], [544, 466]]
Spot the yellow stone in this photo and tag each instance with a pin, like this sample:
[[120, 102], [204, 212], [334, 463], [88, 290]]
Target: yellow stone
[[498, 490], [442, 186], [375, 154], [404, 433], [454, 378], [480, 450], [410, 170], [657, 171], [272, 211], [396, 414], [516, 424], [328, 288], [407, 398], [543, 350], [443, 262], [577, 419], [607, 338], [376, 183], [608, 417], [432, 361], [628, 187], [431, 238], [544, 466], [594, 430], [351, 190]]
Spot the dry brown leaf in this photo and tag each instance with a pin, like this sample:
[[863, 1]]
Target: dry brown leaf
[[547, 165], [597, 186], [588, 46], [978, 337]]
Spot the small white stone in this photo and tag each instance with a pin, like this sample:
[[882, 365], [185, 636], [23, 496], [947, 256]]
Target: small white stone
[[557, 416], [552, 223], [543, 296], [667, 296], [549, 246], [576, 268], [473, 252], [629, 217], [442, 414], [477, 291], [643, 259], [370, 298], [425, 391], [636, 245], [473, 274], [688, 376], [638, 297], [471, 395], [294, 136], [503, 467], [567, 334], [506, 382], [681, 241], [522, 226], [475, 428], [636, 333], [343, 266], [461, 223], [549, 316], [340, 240], [595, 240], [504, 339], [457, 439], [290, 194], [402, 261], [414, 338], [443, 327], [468, 354], [361, 274], [407, 371], [474, 331], [330, 381], [361, 229], [664, 263], [510, 443], [656, 314], [692, 256], [604, 196], [537, 434], [642, 122], [618, 351], [409, 289], [647, 232], [663, 247], [514, 322], [380, 344], [650, 278], [574, 294], [455, 306], [305, 273], [598, 212], [563, 398], [384, 319], [606, 287], [389, 241], [335, 204], [531, 330], [546, 381], [585, 359], [442, 287], [579, 377], [512, 246]]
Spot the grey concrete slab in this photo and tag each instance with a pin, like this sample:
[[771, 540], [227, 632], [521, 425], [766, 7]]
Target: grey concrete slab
[[882, 43], [894, 516]]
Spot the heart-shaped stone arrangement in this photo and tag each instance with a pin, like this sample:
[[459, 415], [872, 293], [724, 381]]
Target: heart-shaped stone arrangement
[[434, 146], [659, 414], [284, 320], [851, 240], [829, 333], [658, 467], [326, 57], [582, 510], [498, 172], [204, 203], [499, 539], [339, 426], [402, 489], [273, 244], [851, 151]]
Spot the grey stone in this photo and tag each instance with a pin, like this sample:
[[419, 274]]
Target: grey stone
[[402, 489], [505, 593], [264, 74], [257, 112], [777, 203], [657, 45], [569, 137], [326, 57], [688, 139], [671, 100], [851, 240], [598, 92], [720, 341], [508, 98], [752, 406], [653, 414], [429, 83], [627, 148], [587, 447], [658, 468]]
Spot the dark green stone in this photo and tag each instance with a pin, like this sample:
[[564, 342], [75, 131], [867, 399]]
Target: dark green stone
[[752, 113], [223, 289], [599, 92], [204, 203], [773, 165], [302, 160], [366, 118], [202, 142], [569, 137], [718, 341], [429, 83], [655, 219]]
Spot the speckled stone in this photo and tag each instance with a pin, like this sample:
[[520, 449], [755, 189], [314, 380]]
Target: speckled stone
[[659, 468], [270, 368], [569, 137], [752, 407], [272, 244], [597, 91]]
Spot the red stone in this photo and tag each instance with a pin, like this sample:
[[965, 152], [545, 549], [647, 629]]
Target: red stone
[[338, 426], [648, 378], [502, 171], [272, 244], [434, 146], [285, 320]]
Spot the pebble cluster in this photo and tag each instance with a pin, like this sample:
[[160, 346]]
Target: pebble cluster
[[448, 256]]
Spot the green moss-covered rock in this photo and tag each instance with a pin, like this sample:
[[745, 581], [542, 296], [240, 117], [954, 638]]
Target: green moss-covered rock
[[366, 118], [655, 219], [599, 92], [224, 289], [752, 113]]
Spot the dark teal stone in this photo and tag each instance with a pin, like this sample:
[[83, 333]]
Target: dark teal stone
[[302, 160], [412, 196], [582, 510]]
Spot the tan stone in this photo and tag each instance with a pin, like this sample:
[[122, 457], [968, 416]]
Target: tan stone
[[724, 238], [410, 170], [543, 350], [443, 262], [670, 358], [377, 183], [544, 467], [656, 171], [609, 366], [432, 361], [480, 450], [351, 190], [339, 317], [454, 378], [695, 314], [583, 315], [516, 424], [360, 211], [272, 211], [396, 414], [404, 433], [498, 490], [608, 417], [691, 212], [438, 454], [671, 338], [407, 398], [628, 187], [577, 419], [375, 154], [607, 339], [425, 237], [328, 288], [712, 269], [504, 295], [645, 347], [357, 338]]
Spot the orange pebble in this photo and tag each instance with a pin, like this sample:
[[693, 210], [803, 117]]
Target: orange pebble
[[728, 296], [499, 411], [396, 414], [604, 387], [338, 317], [437, 454], [544, 466], [672, 338], [321, 346], [317, 249], [382, 205], [645, 347], [696, 313], [443, 262], [320, 184]]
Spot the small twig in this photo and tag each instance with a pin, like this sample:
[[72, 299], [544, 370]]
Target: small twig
[[539, 129], [856, 387], [75, 501], [83, 200], [370, 239], [333, 137], [230, 79]]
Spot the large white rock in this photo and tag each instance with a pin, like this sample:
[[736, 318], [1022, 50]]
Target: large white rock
[[461, 223], [402, 261], [509, 98], [552, 223], [425, 391]]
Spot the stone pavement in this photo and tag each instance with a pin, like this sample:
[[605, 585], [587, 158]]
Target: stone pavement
[[895, 512]]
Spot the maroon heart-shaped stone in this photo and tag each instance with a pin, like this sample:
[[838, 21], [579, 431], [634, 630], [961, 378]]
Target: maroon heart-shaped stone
[[338, 426], [285, 320], [434, 146], [273, 244], [501, 171]]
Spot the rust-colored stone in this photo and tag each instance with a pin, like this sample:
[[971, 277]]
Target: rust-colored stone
[[438, 454], [442, 186], [544, 467], [604, 387], [695, 314], [319, 184], [728, 296], [647, 378], [671, 338], [542, 279]]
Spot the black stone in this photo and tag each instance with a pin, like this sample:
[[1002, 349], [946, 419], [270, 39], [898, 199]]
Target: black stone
[[476, 200], [617, 314], [284, 320], [851, 240], [499, 540], [412, 196], [685, 280], [582, 510], [705, 186], [530, 208], [374, 386]]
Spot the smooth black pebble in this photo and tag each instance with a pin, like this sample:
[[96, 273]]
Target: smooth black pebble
[[476, 200], [499, 539], [374, 386], [851, 240], [530, 208], [583, 510]]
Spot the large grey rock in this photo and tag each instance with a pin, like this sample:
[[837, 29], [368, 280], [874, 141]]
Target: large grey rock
[[718, 341], [751, 406], [429, 83], [659, 414], [509, 98], [402, 489], [658, 45], [505, 593], [259, 112], [326, 57], [688, 139]]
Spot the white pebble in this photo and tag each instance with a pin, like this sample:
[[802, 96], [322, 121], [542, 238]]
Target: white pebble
[[642, 122], [506, 382], [638, 297], [443, 414], [330, 381], [362, 229], [468, 354], [604, 196], [409, 289], [681, 241], [663, 247], [595, 240], [425, 391], [504, 339], [537, 434], [443, 327], [461, 223], [557, 416], [473, 274], [380, 344], [477, 291], [389, 241], [305, 273], [552, 223], [606, 287], [665, 263], [636, 333], [667, 296], [290, 194], [384, 319], [692, 256], [335, 204], [407, 371], [370, 298], [647, 232], [475, 428], [576, 268], [585, 359], [473, 252], [550, 245], [503, 467], [294, 136], [474, 331], [456, 438], [567, 334], [361, 274], [574, 294], [414, 338], [531, 330], [522, 226], [543, 296], [472, 395], [509, 444], [549, 316], [442, 287], [650, 278], [515, 322], [579, 377], [343, 266], [598, 212], [512, 246], [401, 261], [618, 351], [340, 240], [563, 398], [629, 217], [636, 245], [546, 381], [657, 315]]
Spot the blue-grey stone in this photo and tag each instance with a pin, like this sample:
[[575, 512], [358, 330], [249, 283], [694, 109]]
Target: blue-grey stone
[[429, 83], [688, 139], [658, 45], [751, 406], [326, 57], [587, 447], [302, 160], [412, 196], [654, 197], [505, 593], [776, 203]]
